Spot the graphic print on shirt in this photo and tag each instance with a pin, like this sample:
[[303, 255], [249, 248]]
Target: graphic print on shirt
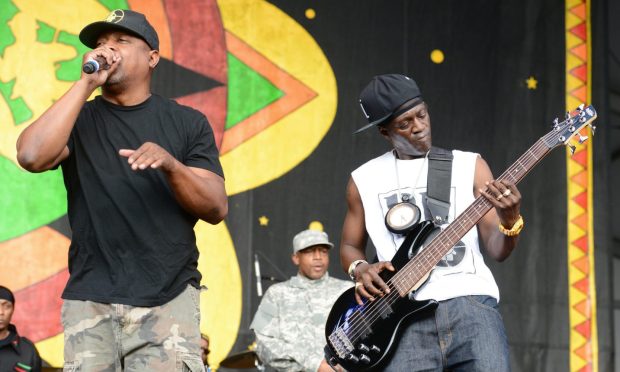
[[459, 259]]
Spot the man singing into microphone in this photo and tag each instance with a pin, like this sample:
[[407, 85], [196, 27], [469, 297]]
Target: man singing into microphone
[[140, 170]]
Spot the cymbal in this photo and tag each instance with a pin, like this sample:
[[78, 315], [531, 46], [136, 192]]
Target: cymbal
[[244, 359]]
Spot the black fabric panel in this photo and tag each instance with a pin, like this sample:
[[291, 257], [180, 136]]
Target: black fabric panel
[[603, 195]]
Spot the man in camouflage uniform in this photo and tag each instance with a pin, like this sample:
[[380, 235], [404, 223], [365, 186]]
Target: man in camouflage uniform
[[290, 321]]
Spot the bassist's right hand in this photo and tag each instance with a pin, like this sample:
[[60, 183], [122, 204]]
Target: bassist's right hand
[[368, 283]]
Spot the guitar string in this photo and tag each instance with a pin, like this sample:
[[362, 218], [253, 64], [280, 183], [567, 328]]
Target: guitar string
[[379, 307], [480, 201], [384, 302], [386, 299]]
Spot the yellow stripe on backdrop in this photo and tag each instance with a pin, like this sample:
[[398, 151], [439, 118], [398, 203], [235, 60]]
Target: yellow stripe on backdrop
[[581, 271], [221, 303], [51, 349]]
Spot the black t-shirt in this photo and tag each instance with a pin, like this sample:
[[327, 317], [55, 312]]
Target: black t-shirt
[[17, 353], [132, 242]]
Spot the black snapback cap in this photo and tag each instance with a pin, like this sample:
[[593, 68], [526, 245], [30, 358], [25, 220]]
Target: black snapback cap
[[123, 20], [383, 96]]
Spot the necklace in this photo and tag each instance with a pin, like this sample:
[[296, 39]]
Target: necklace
[[403, 216], [398, 178]]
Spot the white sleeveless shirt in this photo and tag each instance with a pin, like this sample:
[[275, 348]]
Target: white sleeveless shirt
[[462, 271]]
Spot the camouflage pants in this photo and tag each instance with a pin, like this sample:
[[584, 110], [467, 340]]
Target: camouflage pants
[[116, 337]]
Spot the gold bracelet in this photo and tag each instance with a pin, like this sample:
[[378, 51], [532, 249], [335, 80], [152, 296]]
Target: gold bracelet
[[514, 230]]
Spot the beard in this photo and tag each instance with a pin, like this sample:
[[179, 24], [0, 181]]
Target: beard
[[406, 149], [115, 83], [114, 79]]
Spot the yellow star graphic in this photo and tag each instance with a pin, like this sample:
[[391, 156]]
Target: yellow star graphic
[[531, 82], [263, 220]]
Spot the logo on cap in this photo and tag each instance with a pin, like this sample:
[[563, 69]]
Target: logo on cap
[[363, 110], [115, 16], [383, 96]]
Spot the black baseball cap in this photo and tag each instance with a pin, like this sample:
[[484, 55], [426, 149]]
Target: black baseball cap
[[385, 97], [122, 20]]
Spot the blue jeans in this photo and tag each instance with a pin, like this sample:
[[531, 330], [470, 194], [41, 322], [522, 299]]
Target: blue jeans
[[463, 334]]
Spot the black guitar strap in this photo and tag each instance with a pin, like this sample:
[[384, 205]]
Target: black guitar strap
[[438, 184]]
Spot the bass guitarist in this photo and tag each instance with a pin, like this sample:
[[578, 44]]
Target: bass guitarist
[[388, 195]]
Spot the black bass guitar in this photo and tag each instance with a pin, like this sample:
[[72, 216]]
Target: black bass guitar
[[362, 337]]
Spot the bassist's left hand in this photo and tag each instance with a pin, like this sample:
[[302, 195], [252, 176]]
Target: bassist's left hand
[[506, 199]]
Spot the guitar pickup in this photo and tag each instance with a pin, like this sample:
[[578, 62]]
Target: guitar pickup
[[366, 328], [387, 311]]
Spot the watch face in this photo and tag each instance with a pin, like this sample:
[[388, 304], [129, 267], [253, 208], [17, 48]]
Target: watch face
[[402, 217]]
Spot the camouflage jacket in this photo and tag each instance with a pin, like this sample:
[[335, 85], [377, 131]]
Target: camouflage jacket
[[290, 322]]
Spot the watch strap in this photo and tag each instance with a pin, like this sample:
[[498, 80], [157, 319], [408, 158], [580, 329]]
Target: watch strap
[[353, 266], [515, 229]]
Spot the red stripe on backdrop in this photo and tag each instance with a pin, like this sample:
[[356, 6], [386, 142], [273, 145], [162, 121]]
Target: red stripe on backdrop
[[37, 308], [198, 39], [213, 104], [199, 44]]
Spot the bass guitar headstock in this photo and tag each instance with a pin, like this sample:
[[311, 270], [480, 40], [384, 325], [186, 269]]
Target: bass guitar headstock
[[572, 126]]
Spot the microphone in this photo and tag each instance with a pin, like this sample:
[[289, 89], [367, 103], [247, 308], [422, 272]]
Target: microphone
[[93, 65], [271, 278], [259, 285]]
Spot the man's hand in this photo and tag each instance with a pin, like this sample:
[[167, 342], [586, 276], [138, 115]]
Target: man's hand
[[149, 155], [325, 367], [506, 199], [111, 57], [368, 283]]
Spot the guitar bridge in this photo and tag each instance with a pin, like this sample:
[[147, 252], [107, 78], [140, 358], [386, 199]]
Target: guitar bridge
[[341, 343]]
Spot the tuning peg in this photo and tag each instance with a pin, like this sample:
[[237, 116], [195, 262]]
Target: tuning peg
[[556, 123], [582, 139], [567, 116], [580, 108], [572, 149], [593, 129], [353, 358], [365, 359]]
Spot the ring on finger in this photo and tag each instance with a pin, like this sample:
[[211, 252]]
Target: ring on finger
[[358, 284], [499, 196], [507, 192]]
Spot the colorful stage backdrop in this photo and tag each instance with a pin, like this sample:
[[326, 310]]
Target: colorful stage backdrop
[[279, 82]]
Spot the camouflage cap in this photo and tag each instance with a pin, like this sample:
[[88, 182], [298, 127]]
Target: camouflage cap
[[309, 238]]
